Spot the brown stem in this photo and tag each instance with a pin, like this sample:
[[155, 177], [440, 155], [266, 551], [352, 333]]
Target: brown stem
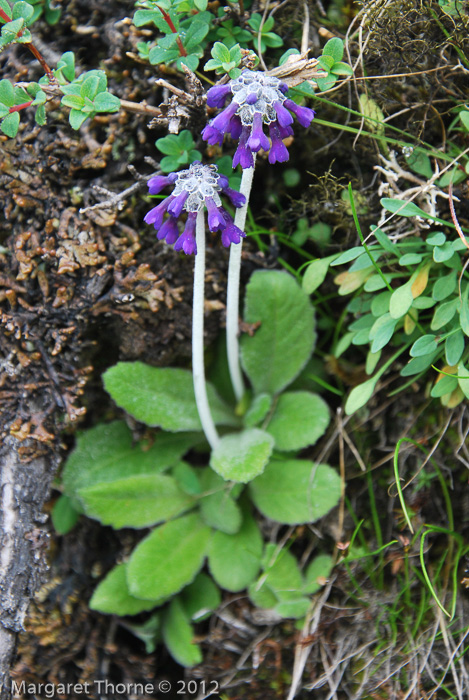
[[140, 108], [170, 24], [37, 54]]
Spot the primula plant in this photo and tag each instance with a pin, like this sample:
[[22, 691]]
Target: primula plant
[[205, 513], [249, 447]]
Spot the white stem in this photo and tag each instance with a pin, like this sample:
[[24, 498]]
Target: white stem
[[198, 369], [232, 300]]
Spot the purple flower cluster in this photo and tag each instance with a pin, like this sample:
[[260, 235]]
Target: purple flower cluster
[[194, 188], [258, 99]]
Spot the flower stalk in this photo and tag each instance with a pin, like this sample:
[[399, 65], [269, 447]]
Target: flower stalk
[[198, 367], [232, 296]]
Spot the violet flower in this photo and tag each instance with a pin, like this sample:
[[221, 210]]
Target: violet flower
[[257, 99], [194, 188]]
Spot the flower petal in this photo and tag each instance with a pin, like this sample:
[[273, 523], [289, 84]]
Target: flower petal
[[217, 95], [169, 231], [283, 115], [186, 241], [222, 120], [278, 152], [216, 218], [236, 127], [231, 234], [212, 136], [158, 183], [155, 215], [258, 139], [305, 115], [177, 205]]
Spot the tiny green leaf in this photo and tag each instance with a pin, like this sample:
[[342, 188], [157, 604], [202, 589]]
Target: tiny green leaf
[[76, 118], [315, 273], [401, 301], [10, 124], [335, 48], [22, 9], [454, 348], [7, 93], [425, 345], [258, 410], [360, 395], [105, 102], [316, 573]]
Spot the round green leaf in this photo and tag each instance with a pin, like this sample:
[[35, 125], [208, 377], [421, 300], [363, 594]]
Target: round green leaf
[[299, 420], [296, 491], [281, 583], [442, 253], [200, 597], [7, 93], [178, 635], [436, 238], [106, 453], [64, 515], [113, 597], [234, 560], [161, 397], [242, 456], [318, 569], [445, 385], [169, 558], [218, 509], [136, 501], [258, 410], [281, 346], [444, 286]]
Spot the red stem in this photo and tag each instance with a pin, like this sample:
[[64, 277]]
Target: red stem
[[170, 24], [17, 108], [33, 50]]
